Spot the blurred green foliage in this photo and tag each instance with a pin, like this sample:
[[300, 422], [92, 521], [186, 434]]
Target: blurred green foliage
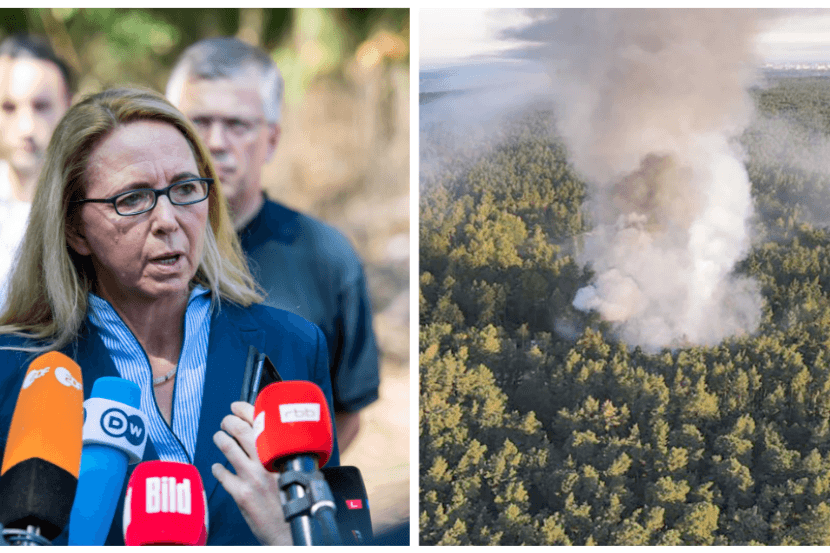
[[108, 46]]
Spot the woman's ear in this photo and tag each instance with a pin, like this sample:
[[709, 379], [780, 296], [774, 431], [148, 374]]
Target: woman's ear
[[76, 240]]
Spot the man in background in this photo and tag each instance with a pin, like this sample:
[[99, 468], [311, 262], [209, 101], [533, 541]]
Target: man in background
[[35, 92], [233, 94]]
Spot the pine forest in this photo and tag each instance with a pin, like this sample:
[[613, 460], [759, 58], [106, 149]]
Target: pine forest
[[540, 425]]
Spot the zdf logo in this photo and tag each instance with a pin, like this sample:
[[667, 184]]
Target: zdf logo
[[116, 423], [34, 375], [62, 375], [65, 377]]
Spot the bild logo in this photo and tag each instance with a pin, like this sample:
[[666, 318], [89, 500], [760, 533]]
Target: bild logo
[[116, 423], [164, 495]]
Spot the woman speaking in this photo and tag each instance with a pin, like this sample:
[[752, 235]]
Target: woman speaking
[[131, 267]]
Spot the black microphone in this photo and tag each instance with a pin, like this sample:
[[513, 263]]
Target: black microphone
[[352, 504]]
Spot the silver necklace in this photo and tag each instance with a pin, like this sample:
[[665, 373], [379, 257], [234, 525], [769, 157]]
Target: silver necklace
[[162, 379]]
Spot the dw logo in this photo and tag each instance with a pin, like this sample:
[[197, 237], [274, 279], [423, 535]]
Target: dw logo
[[116, 423]]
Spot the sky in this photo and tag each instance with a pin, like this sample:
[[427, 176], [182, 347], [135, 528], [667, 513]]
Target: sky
[[453, 36]]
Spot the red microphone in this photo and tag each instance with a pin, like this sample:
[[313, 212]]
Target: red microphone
[[165, 504], [292, 418], [294, 436]]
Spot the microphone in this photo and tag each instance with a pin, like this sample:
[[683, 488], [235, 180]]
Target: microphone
[[114, 436], [42, 459], [165, 504], [352, 504], [294, 436]]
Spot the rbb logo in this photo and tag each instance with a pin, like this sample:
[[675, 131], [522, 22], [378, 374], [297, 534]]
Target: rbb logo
[[299, 412], [116, 423], [164, 495]]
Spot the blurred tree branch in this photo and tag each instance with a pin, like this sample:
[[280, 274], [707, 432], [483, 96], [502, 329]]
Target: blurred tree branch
[[108, 46]]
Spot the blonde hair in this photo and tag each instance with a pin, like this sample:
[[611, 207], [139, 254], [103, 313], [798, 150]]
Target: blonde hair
[[47, 294]]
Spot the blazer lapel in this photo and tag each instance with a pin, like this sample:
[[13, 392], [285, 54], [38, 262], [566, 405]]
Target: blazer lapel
[[230, 336], [95, 359], [97, 363]]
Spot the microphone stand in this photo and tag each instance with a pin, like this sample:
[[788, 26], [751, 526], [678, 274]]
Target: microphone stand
[[323, 509], [29, 536], [307, 499]]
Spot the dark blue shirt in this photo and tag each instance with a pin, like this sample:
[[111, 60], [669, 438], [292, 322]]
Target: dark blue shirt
[[309, 268]]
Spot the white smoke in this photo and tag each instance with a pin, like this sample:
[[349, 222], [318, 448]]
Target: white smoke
[[650, 103]]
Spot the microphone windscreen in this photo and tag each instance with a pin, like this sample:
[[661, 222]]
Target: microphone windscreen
[[117, 389], [352, 502], [165, 504], [48, 419], [112, 417], [292, 418], [42, 459]]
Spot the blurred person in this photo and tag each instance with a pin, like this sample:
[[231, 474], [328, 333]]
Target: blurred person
[[35, 91], [130, 266], [232, 92]]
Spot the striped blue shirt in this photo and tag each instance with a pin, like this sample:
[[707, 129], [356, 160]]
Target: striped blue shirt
[[179, 442]]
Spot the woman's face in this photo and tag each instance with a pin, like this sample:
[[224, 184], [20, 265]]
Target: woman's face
[[153, 255]]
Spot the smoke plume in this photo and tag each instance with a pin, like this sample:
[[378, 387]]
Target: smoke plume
[[650, 103]]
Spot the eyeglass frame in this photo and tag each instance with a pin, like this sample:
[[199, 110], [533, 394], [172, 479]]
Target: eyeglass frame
[[156, 193]]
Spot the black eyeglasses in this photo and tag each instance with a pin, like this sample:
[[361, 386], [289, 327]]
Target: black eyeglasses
[[135, 202]]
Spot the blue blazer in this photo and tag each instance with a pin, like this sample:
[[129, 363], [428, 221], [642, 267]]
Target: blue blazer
[[296, 347]]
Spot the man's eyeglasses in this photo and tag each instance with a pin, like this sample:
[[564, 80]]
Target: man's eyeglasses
[[235, 126], [135, 202]]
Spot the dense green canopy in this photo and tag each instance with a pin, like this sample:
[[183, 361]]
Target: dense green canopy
[[538, 427]]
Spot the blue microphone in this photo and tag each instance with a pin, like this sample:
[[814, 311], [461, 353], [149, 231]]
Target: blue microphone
[[115, 433]]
